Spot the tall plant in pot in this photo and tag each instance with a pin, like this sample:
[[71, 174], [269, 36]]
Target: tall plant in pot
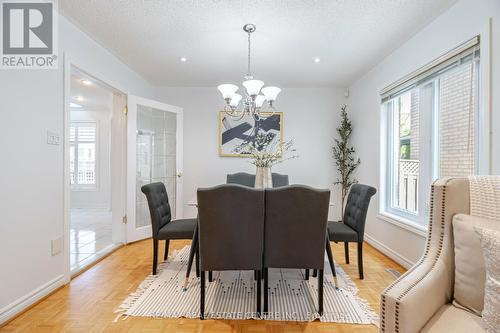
[[343, 153], [264, 159]]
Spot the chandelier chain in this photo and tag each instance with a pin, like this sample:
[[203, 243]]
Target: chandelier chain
[[249, 45]]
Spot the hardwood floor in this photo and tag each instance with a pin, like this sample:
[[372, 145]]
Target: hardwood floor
[[87, 304]]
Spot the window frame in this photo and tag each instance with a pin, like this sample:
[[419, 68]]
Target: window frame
[[429, 159], [85, 187]]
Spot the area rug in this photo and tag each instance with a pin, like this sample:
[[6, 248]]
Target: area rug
[[231, 295]]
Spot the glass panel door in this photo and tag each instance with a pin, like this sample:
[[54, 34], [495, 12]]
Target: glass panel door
[[154, 128]]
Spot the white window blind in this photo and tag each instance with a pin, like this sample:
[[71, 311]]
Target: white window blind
[[459, 55]]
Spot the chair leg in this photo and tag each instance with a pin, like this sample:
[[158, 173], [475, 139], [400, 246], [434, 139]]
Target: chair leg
[[360, 260], [210, 276], [165, 256], [259, 290], [320, 292], [307, 274], [255, 275], [202, 295], [266, 288], [346, 252], [315, 272], [155, 255], [331, 261], [197, 259]]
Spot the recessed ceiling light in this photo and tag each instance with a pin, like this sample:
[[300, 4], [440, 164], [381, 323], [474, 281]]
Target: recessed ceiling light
[[80, 98], [316, 60], [86, 82], [183, 59], [74, 105]]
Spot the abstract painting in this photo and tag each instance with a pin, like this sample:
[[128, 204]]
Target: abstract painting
[[236, 136]]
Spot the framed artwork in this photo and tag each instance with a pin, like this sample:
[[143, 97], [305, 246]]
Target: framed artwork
[[237, 135]]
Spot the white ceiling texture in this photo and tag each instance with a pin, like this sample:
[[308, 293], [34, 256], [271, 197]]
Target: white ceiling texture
[[348, 36]]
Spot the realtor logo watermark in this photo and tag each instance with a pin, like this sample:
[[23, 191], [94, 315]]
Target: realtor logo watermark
[[29, 34]]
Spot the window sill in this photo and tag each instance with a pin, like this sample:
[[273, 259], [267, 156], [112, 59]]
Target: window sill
[[83, 189], [403, 223]]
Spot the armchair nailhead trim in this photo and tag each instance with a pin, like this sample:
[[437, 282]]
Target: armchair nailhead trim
[[420, 262]]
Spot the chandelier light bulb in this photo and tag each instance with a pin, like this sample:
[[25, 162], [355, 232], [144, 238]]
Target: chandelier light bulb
[[227, 90], [271, 93], [235, 100], [259, 100], [253, 87]]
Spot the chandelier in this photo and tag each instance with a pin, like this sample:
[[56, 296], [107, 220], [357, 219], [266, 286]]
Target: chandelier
[[257, 97]]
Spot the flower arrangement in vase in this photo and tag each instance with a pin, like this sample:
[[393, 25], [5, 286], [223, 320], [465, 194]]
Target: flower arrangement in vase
[[264, 157]]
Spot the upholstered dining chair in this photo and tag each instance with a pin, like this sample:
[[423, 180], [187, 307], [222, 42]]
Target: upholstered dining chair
[[295, 215], [164, 228], [241, 178], [248, 179], [279, 180], [353, 227], [230, 232]]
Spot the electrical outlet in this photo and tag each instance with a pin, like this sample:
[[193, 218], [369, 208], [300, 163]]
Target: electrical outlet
[[56, 246], [53, 138]]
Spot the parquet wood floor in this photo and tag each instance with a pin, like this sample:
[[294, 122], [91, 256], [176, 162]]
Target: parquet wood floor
[[87, 304]]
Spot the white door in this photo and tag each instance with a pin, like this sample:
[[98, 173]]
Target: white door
[[154, 154]]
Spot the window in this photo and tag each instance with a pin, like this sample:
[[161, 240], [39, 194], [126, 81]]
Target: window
[[429, 131], [83, 146]]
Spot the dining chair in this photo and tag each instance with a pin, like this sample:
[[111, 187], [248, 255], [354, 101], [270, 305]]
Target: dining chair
[[230, 232], [164, 228], [295, 232], [352, 229], [241, 178], [248, 179], [279, 180]]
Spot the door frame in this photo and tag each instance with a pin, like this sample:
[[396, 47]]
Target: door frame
[[118, 231], [132, 102]]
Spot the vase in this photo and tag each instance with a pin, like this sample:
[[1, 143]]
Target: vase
[[263, 178]]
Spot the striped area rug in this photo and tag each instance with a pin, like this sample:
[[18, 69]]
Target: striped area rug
[[232, 296]]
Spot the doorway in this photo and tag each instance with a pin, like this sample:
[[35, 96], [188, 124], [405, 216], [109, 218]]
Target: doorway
[[154, 151], [96, 195]]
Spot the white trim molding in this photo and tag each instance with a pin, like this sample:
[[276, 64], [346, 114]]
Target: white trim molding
[[403, 261], [13, 309], [402, 223]]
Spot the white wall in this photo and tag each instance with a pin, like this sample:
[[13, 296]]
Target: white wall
[[310, 118], [31, 172], [461, 22], [100, 198]]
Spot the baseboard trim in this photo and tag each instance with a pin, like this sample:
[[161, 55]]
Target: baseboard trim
[[403, 261], [23, 303]]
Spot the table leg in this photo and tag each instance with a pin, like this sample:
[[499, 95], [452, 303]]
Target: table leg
[[192, 251], [331, 261]]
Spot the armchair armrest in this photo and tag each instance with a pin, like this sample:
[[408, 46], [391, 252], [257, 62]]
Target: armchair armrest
[[413, 299]]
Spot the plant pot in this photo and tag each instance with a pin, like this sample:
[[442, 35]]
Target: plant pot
[[263, 178]]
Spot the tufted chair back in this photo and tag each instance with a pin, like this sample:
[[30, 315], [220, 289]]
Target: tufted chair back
[[357, 207], [159, 208]]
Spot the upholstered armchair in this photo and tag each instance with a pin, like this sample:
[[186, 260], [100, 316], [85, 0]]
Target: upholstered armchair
[[421, 299]]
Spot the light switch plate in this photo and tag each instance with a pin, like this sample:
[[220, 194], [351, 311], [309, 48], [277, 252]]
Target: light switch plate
[[53, 138], [56, 246]]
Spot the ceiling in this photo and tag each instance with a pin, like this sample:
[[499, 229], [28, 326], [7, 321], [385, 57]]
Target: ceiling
[[88, 93], [349, 36]]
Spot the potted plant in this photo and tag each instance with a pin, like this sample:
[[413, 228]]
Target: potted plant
[[345, 160]]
